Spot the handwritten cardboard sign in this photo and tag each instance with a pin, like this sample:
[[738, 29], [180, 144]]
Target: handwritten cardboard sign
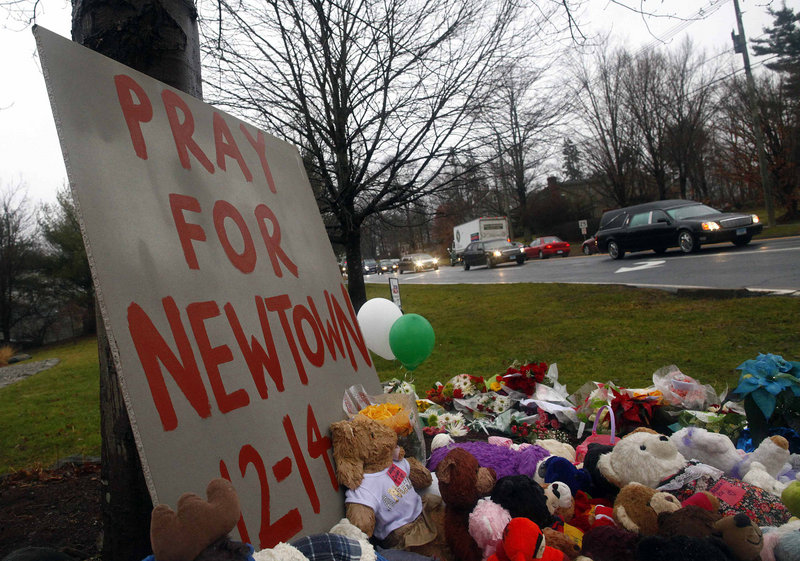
[[230, 327]]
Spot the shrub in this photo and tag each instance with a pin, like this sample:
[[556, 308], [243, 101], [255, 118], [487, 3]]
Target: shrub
[[6, 352]]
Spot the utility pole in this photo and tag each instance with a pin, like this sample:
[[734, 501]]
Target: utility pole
[[740, 46], [159, 38]]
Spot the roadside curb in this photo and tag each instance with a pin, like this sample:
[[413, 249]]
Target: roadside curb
[[721, 293]]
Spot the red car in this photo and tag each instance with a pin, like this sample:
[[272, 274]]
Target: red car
[[546, 246], [588, 247]]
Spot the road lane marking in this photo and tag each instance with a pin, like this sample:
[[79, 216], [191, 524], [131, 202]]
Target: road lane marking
[[641, 266]]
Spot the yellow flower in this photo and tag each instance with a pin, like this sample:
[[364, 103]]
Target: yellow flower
[[381, 411], [391, 415]]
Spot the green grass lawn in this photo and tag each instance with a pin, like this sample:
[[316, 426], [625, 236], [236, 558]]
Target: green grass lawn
[[593, 333], [606, 333], [55, 413]]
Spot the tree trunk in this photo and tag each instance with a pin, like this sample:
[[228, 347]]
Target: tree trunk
[[125, 500], [159, 38], [355, 272]]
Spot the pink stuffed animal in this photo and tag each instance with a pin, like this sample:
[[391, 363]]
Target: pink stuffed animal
[[486, 524]]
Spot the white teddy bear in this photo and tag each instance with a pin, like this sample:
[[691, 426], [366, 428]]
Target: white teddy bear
[[718, 450]]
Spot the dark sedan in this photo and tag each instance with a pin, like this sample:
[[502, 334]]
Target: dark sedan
[[387, 266], [673, 223], [491, 253], [417, 262]]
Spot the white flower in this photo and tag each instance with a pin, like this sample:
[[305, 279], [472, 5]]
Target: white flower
[[448, 418], [463, 383], [456, 428], [406, 387]]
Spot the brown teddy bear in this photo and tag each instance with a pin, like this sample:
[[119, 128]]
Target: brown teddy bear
[[690, 520], [741, 535], [461, 483], [637, 507], [562, 542], [381, 497]]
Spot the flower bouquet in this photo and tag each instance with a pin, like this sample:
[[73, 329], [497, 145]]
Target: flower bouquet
[[524, 378], [437, 420], [769, 385], [461, 386], [396, 410]]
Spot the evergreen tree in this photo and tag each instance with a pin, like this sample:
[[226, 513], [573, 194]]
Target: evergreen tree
[[783, 40], [66, 260], [572, 161]]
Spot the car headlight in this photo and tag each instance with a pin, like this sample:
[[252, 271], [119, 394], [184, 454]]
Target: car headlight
[[710, 226], [497, 253], [755, 218], [418, 263], [435, 260]]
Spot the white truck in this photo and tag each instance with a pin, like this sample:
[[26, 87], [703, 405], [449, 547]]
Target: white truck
[[484, 228]]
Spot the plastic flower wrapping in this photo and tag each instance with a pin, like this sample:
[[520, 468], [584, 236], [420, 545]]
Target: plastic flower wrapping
[[526, 402], [458, 387], [389, 414], [524, 378], [436, 419], [399, 386]]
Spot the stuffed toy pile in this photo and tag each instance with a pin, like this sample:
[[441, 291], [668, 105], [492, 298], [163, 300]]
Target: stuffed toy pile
[[639, 500]]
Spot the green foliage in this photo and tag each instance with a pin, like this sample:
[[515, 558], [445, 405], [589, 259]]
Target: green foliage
[[783, 40], [66, 262], [572, 161]]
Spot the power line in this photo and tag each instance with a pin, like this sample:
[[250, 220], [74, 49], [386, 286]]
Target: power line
[[710, 9]]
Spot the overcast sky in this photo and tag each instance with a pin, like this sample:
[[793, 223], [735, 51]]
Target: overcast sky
[[29, 148]]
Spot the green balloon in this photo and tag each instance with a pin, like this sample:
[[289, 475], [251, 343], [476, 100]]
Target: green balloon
[[411, 339]]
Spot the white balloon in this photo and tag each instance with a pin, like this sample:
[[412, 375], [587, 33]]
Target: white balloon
[[376, 318]]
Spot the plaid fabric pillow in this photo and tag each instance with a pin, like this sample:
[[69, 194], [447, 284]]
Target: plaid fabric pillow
[[328, 547]]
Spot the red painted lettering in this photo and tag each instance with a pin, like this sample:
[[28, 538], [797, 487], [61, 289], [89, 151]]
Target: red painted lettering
[[287, 525], [226, 146], [300, 461], [152, 350], [182, 131], [257, 357], [350, 326], [282, 469], [186, 232], [273, 241], [245, 261], [319, 445], [299, 315], [198, 313], [260, 146], [280, 304], [330, 331], [135, 113]]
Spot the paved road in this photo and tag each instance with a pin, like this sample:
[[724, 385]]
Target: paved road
[[764, 265]]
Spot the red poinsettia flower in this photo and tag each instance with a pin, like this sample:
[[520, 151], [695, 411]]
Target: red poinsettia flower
[[636, 411]]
